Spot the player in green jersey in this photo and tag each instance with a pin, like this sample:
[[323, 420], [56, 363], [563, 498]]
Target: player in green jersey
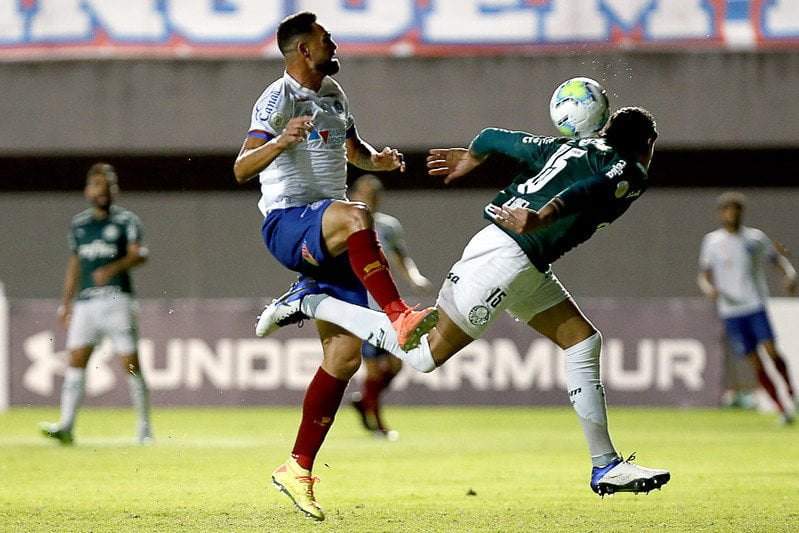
[[566, 190], [106, 243]]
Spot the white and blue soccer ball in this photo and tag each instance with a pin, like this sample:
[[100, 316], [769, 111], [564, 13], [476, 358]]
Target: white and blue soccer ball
[[579, 107]]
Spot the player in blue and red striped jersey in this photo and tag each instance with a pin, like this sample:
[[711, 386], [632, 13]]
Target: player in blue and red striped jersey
[[731, 274], [301, 137]]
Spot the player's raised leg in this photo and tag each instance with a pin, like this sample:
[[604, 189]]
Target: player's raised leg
[[567, 327], [348, 226], [305, 301]]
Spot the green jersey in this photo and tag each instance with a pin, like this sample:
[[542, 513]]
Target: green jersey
[[98, 242], [594, 184]]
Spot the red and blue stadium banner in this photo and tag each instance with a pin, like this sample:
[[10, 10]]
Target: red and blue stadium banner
[[51, 29]]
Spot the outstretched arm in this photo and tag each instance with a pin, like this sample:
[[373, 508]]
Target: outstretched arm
[[452, 163], [522, 219], [784, 265], [407, 267], [363, 155]]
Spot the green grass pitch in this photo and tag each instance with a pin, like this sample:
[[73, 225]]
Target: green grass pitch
[[453, 469]]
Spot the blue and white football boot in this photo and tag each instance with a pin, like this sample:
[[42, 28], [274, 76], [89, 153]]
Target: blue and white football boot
[[286, 309], [623, 476]]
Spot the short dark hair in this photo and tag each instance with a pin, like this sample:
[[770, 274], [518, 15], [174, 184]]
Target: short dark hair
[[103, 169], [630, 129], [293, 26], [731, 198]]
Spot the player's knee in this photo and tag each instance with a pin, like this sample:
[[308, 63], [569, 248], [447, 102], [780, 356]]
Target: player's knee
[[586, 351], [358, 217]]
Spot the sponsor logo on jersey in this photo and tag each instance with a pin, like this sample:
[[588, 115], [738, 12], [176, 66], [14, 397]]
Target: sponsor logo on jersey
[[110, 232], [479, 315], [616, 169], [621, 189], [533, 139], [277, 120], [97, 249], [454, 278], [306, 255], [334, 137], [263, 110]]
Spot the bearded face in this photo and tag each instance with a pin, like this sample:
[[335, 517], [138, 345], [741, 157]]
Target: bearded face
[[323, 51], [329, 67], [100, 191]]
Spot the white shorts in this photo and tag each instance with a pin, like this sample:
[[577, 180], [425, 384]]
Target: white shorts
[[494, 275], [114, 316]]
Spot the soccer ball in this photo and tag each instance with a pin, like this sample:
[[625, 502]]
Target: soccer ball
[[579, 108]]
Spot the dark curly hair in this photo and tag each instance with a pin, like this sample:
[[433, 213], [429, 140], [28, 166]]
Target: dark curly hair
[[630, 129]]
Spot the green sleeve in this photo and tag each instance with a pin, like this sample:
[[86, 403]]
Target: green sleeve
[[575, 197], [515, 144]]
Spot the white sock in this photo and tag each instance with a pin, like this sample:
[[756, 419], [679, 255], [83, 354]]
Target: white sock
[[140, 397], [372, 326], [587, 396], [72, 392]]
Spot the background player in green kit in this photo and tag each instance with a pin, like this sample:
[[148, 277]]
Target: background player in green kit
[[565, 191], [106, 242]]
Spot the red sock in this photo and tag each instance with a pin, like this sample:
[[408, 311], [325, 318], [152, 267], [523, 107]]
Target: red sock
[[370, 265], [766, 383], [322, 399], [372, 390], [779, 362]]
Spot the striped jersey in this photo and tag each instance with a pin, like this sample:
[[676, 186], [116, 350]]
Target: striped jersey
[[736, 262], [313, 169]]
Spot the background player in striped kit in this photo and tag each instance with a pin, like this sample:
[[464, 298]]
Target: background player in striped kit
[[106, 243], [382, 366], [731, 274]]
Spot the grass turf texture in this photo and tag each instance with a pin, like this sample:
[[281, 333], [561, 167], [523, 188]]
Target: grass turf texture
[[453, 469]]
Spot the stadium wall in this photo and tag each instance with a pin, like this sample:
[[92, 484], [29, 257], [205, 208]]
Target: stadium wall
[[208, 245], [702, 99]]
